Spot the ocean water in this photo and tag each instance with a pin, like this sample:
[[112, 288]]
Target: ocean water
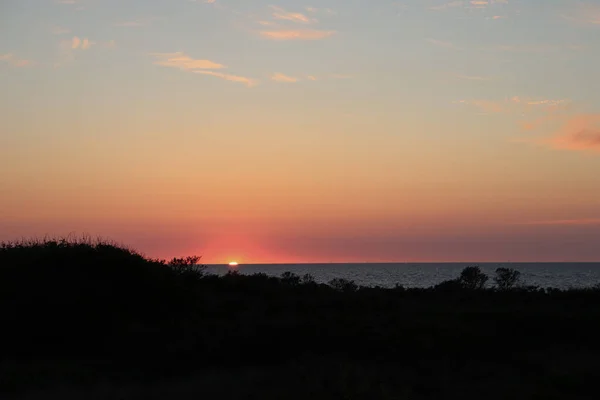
[[556, 275]]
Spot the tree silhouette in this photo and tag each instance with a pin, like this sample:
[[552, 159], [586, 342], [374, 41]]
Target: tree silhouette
[[472, 278], [506, 278]]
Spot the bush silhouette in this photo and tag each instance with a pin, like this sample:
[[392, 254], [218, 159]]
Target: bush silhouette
[[308, 279], [289, 278], [472, 278], [343, 285], [507, 278]]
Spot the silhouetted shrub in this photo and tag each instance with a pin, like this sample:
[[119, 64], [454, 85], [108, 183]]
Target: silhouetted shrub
[[308, 279], [507, 278], [343, 285], [187, 267], [472, 278], [533, 289], [398, 287], [290, 279]]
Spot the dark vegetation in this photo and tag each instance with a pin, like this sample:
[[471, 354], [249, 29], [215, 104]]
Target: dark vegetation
[[91, 320]]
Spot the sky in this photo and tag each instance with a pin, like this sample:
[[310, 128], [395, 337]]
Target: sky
[[305, 131]]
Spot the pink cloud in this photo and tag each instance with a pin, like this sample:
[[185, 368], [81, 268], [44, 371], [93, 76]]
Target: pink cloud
[[580, 133], [81, 43], [186, 63], [228, 77], [280, 13], [278, 77], [182, 61]]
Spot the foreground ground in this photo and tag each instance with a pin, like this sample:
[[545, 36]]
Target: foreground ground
[[95, 321]]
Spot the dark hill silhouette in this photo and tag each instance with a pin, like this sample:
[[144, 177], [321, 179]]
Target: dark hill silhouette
[[92, 315]]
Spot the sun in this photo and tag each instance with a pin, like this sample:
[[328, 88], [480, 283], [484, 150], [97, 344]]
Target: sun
[[233, 264]]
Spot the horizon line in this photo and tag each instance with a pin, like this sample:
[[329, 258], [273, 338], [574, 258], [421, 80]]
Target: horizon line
[[406, 262]]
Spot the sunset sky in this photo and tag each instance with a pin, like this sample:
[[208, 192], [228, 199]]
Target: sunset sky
[[305, 131]]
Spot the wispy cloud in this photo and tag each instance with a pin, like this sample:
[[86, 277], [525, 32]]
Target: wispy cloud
[[182, 61], [266, 23], [580, 133], [281, 21], [467, 4], [280, 13], [516, 104], [15, 61], [306, 34], [228, 77], [479, 3], [546, 102], [279, 77], [81, 43], [69, 47]]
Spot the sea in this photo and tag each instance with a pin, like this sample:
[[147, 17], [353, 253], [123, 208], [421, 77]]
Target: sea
[[555, 275]]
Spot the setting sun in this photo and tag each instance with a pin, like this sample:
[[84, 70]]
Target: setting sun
[[233, 264]]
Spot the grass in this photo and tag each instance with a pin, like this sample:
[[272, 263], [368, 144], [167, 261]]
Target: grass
[[92, 319]]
